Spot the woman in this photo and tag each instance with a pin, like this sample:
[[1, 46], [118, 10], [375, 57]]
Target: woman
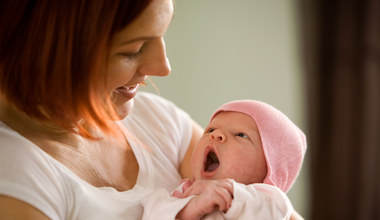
[[69, 75]]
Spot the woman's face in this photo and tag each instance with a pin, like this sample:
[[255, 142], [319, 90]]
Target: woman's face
[[230, 148], [137, 52]]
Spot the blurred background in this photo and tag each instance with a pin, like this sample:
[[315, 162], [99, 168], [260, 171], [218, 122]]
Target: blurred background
[[316, 61]]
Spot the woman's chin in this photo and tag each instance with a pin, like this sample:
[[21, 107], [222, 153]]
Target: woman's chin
[[123, 110], [123, 101]]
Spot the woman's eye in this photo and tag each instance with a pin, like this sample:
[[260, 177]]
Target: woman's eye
[[241, 134], [132, 55]]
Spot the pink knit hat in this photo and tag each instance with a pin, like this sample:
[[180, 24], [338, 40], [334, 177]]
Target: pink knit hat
[[283, 142]]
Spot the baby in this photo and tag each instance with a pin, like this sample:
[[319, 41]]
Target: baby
[[247, 159]]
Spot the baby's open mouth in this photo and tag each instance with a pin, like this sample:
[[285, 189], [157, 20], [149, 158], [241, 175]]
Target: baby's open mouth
[[212, 162]]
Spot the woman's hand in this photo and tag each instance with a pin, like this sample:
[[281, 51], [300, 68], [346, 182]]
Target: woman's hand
[[210, 195]]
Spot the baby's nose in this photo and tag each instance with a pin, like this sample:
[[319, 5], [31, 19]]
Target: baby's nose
[[218, 136]]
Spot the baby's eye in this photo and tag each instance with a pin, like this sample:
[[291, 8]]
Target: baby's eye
[[241, 134], [210, 130]]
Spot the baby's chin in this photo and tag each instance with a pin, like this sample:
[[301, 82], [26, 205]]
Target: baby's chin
[[199, 176]]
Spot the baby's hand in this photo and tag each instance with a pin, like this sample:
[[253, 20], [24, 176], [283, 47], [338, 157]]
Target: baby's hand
[[185, 184], [211, 195]]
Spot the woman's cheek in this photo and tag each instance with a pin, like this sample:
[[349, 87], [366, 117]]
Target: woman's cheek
[[119, 74]]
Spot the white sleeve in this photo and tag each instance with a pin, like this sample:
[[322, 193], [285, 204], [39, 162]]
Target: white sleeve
[[168, 125], [27, 175], [160, 204], [258, 201]]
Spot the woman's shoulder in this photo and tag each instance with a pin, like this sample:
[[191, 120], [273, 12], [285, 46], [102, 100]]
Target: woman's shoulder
[[27, 173], [20, 158], [156, 108], [10, 141]]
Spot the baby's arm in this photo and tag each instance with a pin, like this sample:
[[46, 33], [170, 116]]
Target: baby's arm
[[211, 195], [191, 200], [254, 201], [259, 201], [203, 197]]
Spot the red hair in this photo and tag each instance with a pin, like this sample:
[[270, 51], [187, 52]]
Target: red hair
[[53, 56]]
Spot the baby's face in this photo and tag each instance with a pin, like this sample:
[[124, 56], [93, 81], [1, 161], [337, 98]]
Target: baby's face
[[230, 148]]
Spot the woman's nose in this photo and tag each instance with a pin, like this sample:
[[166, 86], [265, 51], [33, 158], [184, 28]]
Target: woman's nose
[[218, 136], [155, 62]]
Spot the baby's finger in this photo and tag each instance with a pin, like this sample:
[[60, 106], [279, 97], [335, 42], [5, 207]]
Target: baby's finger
[[193, 189], [227, 184], [188, 192], [220, 202], [177, 194], [226, 197], [187, 184]]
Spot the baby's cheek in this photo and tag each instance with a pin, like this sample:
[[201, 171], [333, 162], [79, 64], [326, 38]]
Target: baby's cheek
[[195, 167], [241, 171]]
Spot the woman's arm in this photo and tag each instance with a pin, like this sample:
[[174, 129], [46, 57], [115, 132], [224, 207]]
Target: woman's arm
[[11, 208], [185, 168]]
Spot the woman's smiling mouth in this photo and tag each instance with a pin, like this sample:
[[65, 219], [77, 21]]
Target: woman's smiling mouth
[[128, 91]]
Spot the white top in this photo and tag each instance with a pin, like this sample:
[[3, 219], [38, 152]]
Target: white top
[[254, 201], [31, 175]]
